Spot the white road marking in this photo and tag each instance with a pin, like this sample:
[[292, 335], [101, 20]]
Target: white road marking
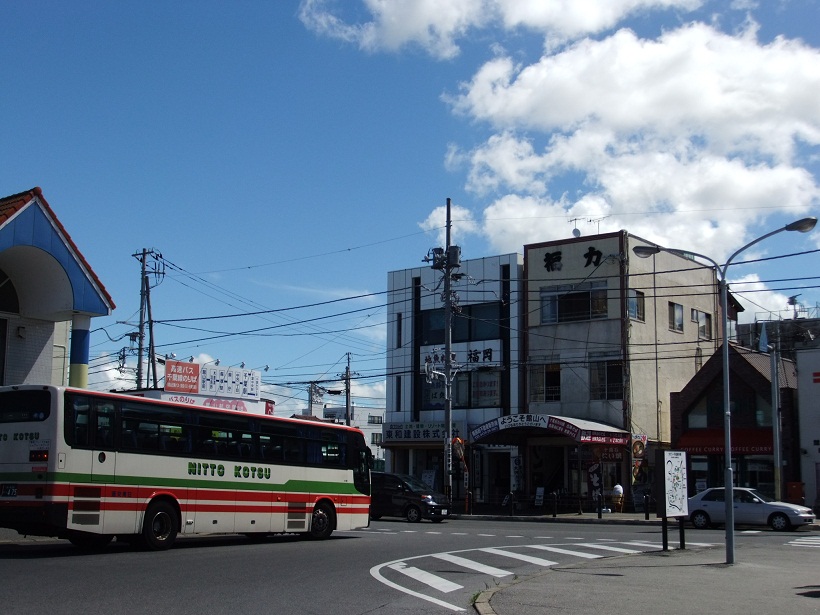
[[566, 551], [520, 556], [428, 578], [472, 565], [608, 548]]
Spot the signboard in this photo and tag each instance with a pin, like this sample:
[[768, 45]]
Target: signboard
[[212, 380], [467, 355], [580, 430], [416, 432], [671, 481]]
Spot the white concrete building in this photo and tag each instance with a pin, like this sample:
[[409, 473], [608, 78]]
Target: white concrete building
[[487, 385]]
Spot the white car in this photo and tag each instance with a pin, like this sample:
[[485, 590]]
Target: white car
[[708, 508]]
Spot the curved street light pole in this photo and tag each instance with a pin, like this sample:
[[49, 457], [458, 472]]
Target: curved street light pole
[[802, 226]]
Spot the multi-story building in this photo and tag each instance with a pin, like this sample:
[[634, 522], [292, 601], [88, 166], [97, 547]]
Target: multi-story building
[[608, 337], [486, 385]]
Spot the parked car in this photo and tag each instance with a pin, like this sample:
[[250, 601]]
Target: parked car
[[402, 495], [708, 508]]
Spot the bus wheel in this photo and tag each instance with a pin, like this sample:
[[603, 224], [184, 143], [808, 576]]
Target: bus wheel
[[89, 542], [321, 525], [160, 527]]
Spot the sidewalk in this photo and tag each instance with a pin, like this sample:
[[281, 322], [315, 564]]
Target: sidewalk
[[574, 517], [694, 580]]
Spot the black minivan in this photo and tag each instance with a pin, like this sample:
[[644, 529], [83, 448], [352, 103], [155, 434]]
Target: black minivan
[[402, 495]]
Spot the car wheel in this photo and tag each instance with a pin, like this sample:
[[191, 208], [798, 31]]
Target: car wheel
[[413, 514], [779, 522], [700, 520]]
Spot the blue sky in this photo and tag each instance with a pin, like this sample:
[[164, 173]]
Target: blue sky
[[284, 156]]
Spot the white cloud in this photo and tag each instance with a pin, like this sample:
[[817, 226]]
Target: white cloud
[[462, 220], [725, 93], [704, 130], [437, 26], [759, 303]]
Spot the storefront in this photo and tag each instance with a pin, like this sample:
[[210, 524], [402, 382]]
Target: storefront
[[752, 458], [573, 458]]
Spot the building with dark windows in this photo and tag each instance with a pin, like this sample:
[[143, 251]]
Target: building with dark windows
[[486, 334], [566, 366]]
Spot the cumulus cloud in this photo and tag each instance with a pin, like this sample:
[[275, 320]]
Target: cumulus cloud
[[463, 224], [759, 302], [693, 136], [694, 127], [436, 27]]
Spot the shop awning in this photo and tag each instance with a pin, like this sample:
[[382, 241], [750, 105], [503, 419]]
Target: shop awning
[[711, 442], [580, 430]]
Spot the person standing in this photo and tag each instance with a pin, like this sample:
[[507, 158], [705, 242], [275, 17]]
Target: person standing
[[618, 498]]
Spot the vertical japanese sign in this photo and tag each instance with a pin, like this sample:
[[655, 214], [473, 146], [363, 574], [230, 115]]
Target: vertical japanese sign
[[181, 377], [671, 479]]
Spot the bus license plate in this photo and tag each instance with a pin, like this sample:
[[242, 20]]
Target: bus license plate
[[8, 491]]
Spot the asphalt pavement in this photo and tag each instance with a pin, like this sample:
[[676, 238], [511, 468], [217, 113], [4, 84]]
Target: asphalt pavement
[[693, 580]]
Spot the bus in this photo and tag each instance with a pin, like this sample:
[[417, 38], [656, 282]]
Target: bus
[[90, 466]]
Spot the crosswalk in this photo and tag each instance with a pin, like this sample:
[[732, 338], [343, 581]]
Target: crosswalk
[[433, 576], [806, 541]]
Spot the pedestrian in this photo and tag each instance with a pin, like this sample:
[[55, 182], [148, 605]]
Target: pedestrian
[[618, 498]]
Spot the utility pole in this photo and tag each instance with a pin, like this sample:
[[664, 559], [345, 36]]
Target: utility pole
[[141, 333], [145, 308], [447, 260], [347, 392]]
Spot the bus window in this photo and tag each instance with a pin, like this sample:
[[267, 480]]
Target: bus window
[[104, 432], [77, 412]]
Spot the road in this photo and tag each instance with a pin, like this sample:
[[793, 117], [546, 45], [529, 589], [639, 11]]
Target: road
[[391, 567]]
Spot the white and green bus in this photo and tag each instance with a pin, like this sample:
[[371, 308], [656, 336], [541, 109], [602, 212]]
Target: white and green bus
[[88, 466]]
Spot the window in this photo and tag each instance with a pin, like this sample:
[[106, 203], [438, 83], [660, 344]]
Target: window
[[432, 327], [485, 389], [704, 323], [375, 419], [470, 323], [675, 317], [474, 389], [477, 322], [637, 305], [570, 303], [375, 438], [545, 382], [714, 496], [606, 379]]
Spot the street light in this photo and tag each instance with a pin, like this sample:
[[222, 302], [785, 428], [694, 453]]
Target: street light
[[802, 226]]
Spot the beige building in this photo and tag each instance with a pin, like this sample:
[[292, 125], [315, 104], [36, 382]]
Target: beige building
[[608, 337]]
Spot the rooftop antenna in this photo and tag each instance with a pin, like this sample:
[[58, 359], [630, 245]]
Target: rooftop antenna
[[598, 222], [575, 231]]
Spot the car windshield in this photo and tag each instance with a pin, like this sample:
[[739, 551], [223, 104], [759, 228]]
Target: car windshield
[[757, 494], [415, 484]]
